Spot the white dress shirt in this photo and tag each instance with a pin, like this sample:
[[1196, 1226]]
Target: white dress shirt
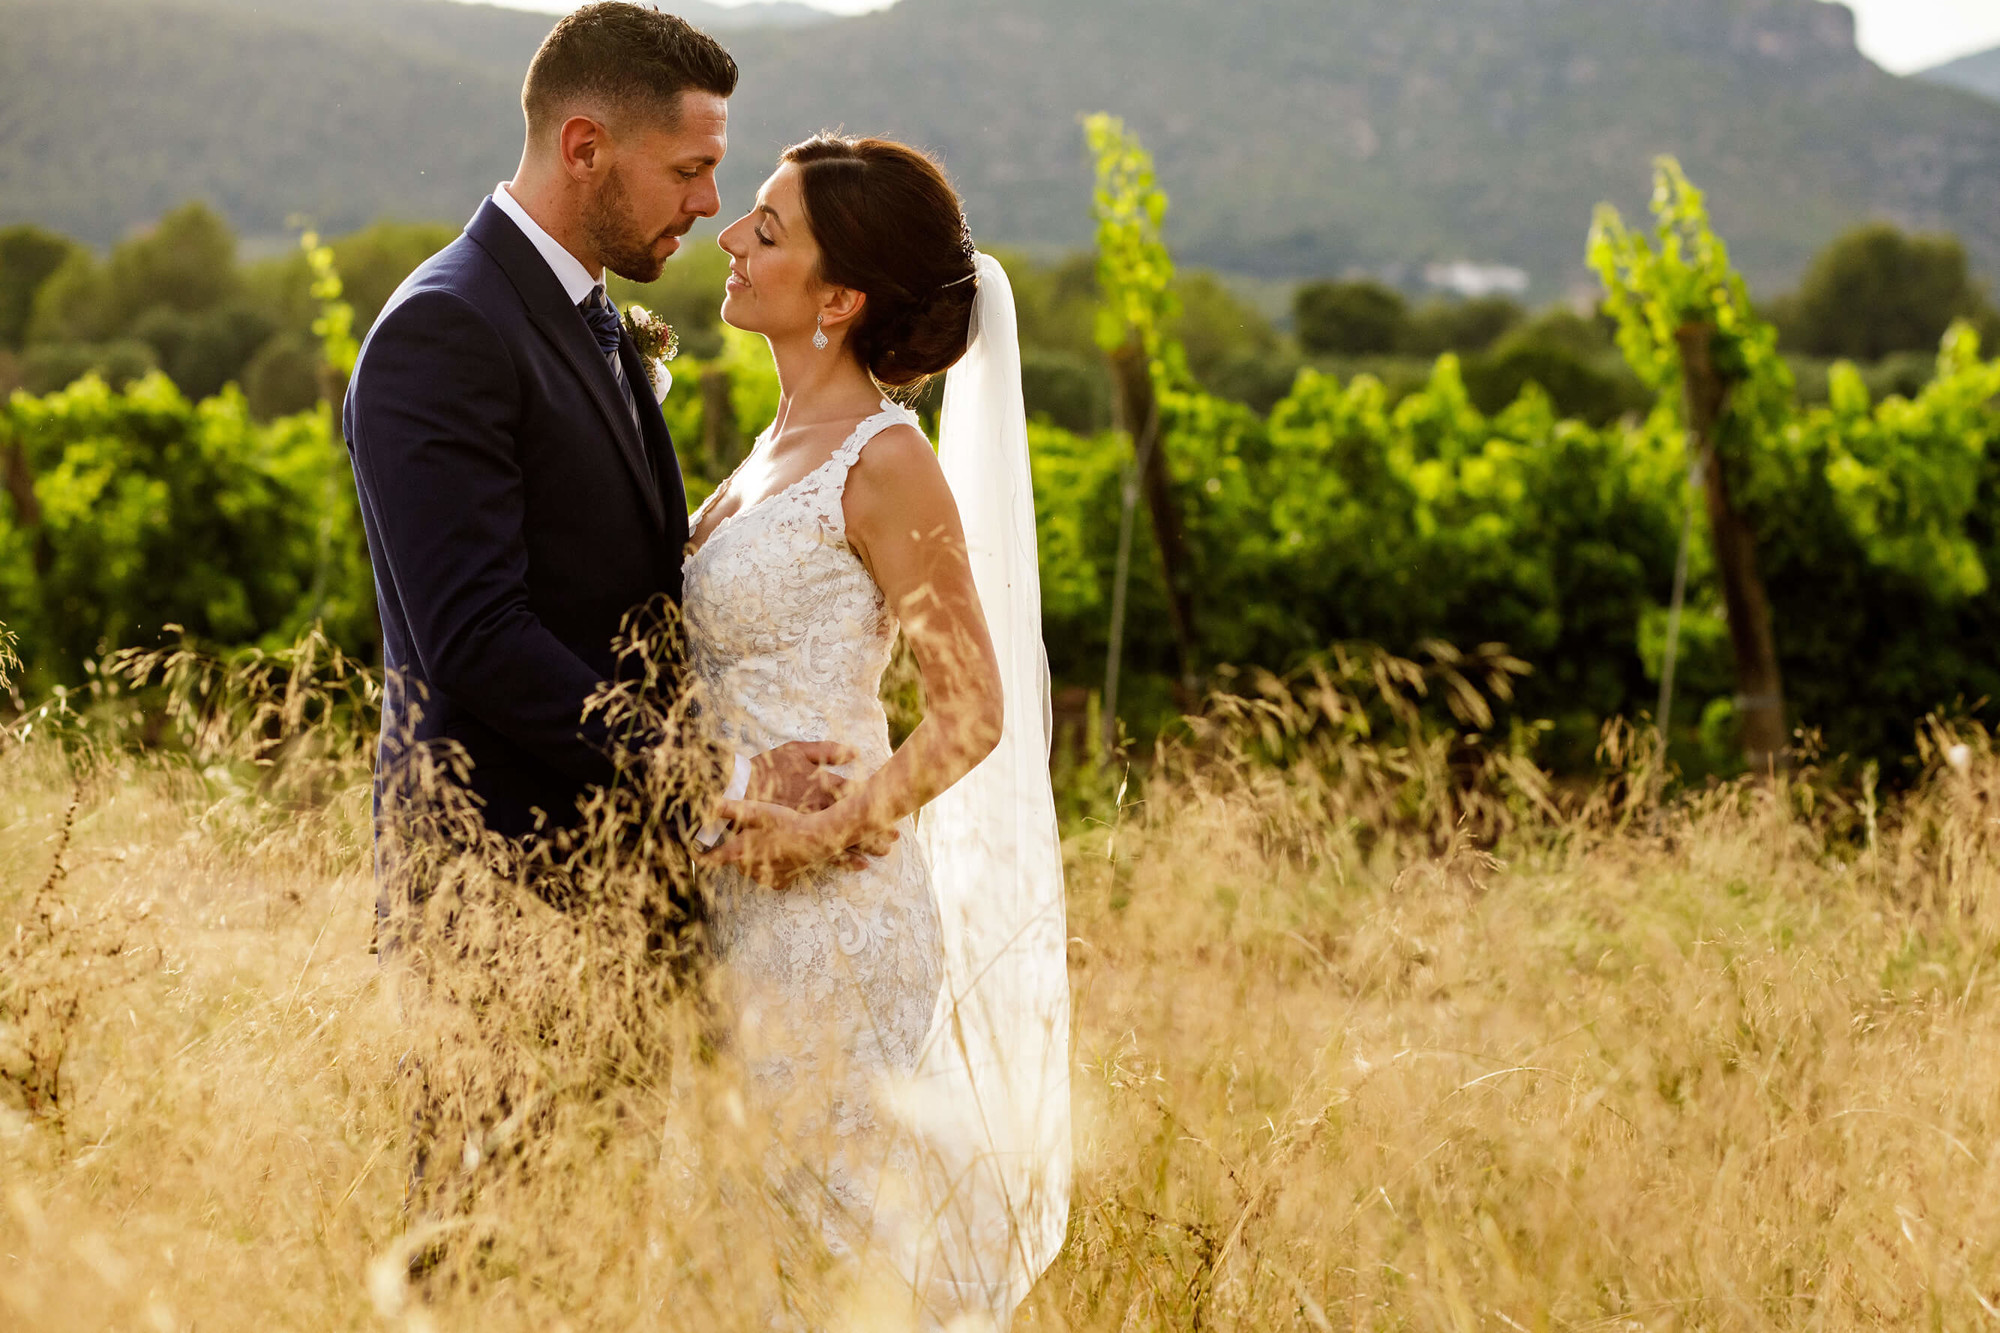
[[569, 270], [576, 281]]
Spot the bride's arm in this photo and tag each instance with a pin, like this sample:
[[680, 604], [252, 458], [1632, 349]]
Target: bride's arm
[[903, 524]]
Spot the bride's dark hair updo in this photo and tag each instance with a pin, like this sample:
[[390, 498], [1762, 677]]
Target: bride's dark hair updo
[[889, 224]]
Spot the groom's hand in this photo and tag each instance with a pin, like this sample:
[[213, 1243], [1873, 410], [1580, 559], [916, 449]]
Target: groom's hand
[[799, 775]]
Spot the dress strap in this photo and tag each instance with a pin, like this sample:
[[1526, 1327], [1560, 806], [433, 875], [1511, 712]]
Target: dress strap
[[892, 414], [831, 486]]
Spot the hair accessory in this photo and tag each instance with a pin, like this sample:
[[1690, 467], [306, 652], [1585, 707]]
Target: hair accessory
[[819, 333]]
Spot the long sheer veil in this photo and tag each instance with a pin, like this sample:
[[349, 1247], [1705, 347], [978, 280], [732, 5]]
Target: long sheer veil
[[992, 1092]]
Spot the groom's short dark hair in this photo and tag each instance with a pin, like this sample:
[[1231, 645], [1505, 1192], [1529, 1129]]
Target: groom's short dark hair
[[617, 59]]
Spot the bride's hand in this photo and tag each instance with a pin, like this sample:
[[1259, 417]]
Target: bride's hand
[[774, 844], [799, 774]]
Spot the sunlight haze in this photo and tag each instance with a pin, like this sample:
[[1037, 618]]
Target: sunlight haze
[[1902, 36]]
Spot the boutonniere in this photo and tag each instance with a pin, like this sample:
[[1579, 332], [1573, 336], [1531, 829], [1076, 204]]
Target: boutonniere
[[657, 344]]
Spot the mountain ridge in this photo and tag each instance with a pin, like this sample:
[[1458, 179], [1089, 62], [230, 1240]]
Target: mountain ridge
[[1977, 73], [1295, 138]]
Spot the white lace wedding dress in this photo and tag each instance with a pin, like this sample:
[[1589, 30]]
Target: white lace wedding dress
[[832, 982], [908, 1022]]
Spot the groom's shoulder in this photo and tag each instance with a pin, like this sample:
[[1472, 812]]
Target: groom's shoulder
[[462, 270], [459, 297]]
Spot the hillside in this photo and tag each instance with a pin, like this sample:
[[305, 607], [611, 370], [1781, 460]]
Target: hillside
[[342, 110], [118, 110], [1974, 73], [1296, 136]]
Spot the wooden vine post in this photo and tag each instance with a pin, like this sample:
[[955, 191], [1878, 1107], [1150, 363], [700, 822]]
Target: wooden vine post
[[1136, 275], [1686, 325], [1760, 692], [1137, 412]]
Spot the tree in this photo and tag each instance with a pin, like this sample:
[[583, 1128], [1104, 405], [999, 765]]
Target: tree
[[284, 376], [1575, 386], [1572, 358], [73, 305], [1349, 318], [28, 257], [1878, 290], [47, 367], [1562, 330], [1437, 327], [1217, 327], [186, 265], [202, 352], [1066, 390]]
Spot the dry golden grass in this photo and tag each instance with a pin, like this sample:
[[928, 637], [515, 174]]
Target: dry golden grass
[[1371, 1032]]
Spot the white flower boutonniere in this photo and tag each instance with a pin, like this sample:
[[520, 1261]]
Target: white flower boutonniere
[[657, 344]]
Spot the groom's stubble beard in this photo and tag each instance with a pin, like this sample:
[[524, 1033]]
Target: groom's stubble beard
[[622, 245]]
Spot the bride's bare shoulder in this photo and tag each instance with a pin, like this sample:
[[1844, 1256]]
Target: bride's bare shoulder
[[897, 480]]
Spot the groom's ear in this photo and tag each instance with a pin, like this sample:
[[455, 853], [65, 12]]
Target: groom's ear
[[581, 143]]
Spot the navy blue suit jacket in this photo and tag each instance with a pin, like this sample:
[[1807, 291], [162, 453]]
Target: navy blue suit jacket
[[514, 514]]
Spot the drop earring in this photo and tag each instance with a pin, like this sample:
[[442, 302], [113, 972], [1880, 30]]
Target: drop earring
[[819, 333]]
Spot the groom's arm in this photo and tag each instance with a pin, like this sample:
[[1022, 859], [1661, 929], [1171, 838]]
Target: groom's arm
[[433, 411]]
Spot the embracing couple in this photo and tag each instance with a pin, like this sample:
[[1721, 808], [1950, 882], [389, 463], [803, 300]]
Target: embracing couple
[[901, 975]]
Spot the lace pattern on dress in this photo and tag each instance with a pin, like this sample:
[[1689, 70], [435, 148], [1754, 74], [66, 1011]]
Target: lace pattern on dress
[[832, 982]]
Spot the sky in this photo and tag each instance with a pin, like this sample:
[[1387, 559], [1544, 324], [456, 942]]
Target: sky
[[1907, 35], [1900, 35], [564, 6]]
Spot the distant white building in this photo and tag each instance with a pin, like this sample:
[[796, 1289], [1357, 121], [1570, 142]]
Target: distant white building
[[1465, 278]]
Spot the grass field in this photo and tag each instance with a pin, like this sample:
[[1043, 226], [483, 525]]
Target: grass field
[[1364, 1039]]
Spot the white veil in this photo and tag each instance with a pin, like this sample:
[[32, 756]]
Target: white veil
[[992, 1091]]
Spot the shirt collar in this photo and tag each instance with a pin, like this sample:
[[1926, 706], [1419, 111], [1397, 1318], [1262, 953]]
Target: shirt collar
[[569, 270]]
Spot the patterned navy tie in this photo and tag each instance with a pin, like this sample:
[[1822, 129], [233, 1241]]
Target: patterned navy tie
[[602, 316], [605, 326]]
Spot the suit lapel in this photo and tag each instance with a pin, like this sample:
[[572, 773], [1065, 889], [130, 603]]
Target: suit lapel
[[563, 325]]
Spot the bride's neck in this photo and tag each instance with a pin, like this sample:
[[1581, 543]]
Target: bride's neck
[[815, 385]]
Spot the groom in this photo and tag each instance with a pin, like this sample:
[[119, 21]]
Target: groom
[[518, 485]]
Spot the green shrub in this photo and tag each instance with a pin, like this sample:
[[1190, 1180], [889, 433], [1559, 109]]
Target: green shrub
[[48, 367], [28, 257], [202, 352], [1067, 390], [1578, 386], [1880, 549], [150, 510], [1259, 381], [1877, 291], [1351, 513], [1349, 318], [1439, 326], [284, 377]]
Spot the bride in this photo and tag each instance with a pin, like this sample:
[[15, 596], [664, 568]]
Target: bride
[[903, 1016]]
